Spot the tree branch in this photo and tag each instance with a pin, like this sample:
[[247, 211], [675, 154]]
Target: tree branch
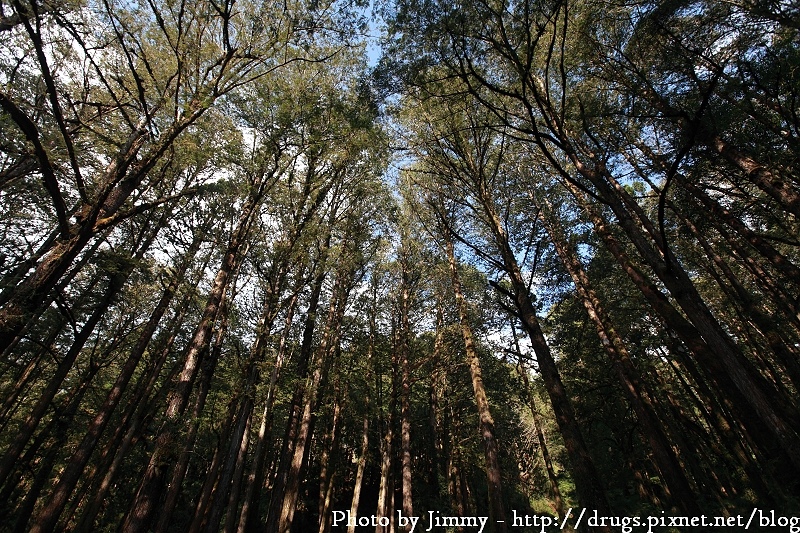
[[48, 174]]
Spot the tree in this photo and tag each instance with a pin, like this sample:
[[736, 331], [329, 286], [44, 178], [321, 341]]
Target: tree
[[533, 69]]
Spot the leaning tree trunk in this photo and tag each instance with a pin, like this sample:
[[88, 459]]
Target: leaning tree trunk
[[705, 356], [663, 455], [558, 502], [54, 384], [587, 481], [47, 518], [167, 449], [490, 449]]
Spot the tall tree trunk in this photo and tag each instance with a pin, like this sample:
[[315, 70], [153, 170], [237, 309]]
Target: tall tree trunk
[[712, 365], [316, 381], [364, 451], [32, 371], [455, 479], [587, 482], [327, 464], [47, 518], [558, 502], [360, 468], [59, 429], [235, 453], [167, 449], [281, 477], [240, 439], [403, 354], [207, 367], [65, 365], [134, 420], [137, 413], [497, 515], [236, 483], [438, 386], [385, 508], [255, 480], [770, 407], [211, 481], [663, 455]]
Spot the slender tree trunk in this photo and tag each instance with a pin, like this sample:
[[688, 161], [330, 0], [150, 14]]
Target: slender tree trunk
[[59, 428], [694, 339], [47, 518], [403, 351], [133, 421], [438, 386], [328, 464], [360, 468], [236, 483], [32, 371], [292, 490], [558, 501], [255, 479], [385, 491], [281, 478], [40, 408], [136, 415], [663, 455], [167, 449], [209, 488], [320, 364], [179, 470], [364, 451], [455, 480], [235, 454], [239, 439], [497, 515], [587, 482], [770, 407]]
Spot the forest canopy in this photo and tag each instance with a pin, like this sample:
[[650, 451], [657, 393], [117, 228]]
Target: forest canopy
[[541, 256]]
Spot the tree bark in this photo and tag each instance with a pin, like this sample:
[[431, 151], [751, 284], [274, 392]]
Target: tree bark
[[497, 515], [663, 455], [166, 449], [48, 517]]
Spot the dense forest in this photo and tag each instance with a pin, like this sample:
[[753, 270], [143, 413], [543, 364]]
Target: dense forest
[[539, 257]]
